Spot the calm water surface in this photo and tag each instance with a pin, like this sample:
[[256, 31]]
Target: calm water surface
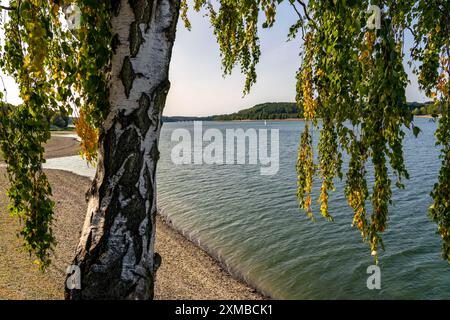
[[253, 225]]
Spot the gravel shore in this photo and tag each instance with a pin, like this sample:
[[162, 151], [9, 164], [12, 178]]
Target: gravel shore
[[186, 272], [59, 146]]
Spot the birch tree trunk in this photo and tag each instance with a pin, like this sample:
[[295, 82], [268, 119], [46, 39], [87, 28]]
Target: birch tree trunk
[[116, 250]]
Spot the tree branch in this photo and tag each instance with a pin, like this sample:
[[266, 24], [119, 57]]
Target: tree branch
[[296, 11], [412, 31], [7, 8], [305, 9]]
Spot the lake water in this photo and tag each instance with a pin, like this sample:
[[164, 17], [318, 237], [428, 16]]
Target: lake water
[[253, 225]]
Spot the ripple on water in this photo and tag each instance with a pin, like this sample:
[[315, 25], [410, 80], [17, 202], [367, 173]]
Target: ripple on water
[[253, 225]]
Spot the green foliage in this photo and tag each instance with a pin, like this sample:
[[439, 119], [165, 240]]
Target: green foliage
[[353, 74], [29, 49], [56, 69], [21, 136], [432, 34]]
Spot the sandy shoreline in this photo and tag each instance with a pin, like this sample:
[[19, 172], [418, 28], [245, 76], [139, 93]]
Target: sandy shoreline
[[59, 146], [425, 116], [199, 276], [186, 272]]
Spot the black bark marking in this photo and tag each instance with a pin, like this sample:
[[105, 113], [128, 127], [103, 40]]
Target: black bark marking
[[134, 211], [149, 185], [142, 11], [89, 240], [115, 43], [127, 75], [115, 6], [127, 144], [159, 100], [141, 119], [154, 153], [109, 147], [156, 261], [170, 31], [136, 39]]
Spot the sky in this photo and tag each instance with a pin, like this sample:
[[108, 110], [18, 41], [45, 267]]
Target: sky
[[198, 87]]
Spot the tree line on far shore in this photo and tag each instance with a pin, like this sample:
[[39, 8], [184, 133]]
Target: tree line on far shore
[[59, 119], [290, 110], [427, 108], [263, 111]]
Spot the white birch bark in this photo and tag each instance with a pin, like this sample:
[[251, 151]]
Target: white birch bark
[[116, 250]]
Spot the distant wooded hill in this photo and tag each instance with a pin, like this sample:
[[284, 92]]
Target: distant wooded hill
[[265, 111], [288, 110]]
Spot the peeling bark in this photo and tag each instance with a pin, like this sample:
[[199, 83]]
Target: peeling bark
[[116, 250]]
